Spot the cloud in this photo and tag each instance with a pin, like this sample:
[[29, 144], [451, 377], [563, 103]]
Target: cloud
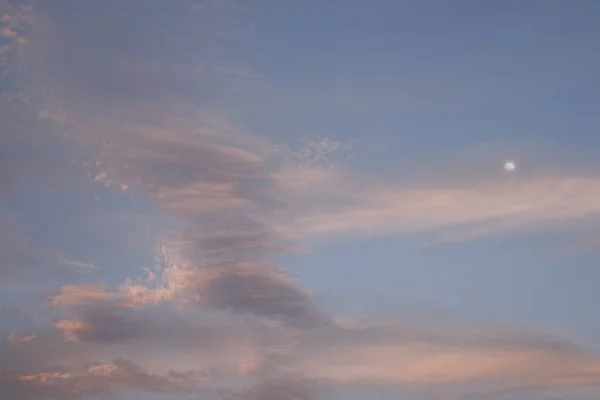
[[75, 263], [461, 360], [181, 355], [298, 179], [127, 295], [127, 374], [218, 185], [105, 319], [98, 379], [21, 338], [484, 208], [80, 295], [102, 316], [392, 355], [262, 294], [8, 33], [13, 28], [216, 197], [73, 330], [105, 325]]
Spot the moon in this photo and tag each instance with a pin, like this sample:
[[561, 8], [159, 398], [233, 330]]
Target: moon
[[510, 166]]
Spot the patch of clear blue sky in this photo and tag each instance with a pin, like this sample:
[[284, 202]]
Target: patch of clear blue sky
[[518, 278], [81, 226], [441, 75]]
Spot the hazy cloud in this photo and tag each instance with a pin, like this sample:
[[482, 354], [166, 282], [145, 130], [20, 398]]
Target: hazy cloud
[[21, 338], [484, 208], [105, 325], [81, 295], [392, 355], [261, 294], [97, 380]]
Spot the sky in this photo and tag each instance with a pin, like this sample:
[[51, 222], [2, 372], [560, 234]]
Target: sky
[[299, 200]]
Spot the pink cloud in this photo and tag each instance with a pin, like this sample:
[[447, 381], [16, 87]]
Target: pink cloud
[[22, 338]]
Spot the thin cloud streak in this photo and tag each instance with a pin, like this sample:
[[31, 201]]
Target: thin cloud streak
[[395, 355], [485, 208]]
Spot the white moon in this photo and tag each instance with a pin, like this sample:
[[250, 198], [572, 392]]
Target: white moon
[[510, 166]]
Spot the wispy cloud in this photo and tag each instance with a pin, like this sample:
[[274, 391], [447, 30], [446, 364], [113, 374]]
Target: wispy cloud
[[21, 338], [81, 295], [98, 380], [483, 208], [463, 359]]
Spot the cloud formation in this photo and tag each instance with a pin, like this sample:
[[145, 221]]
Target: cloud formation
[[218, 185], [216, 313]]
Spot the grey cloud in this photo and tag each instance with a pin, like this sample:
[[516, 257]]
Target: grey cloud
[[234, 238], [167, 164], [256, 293], [242, 244], [109, 325], [107, 320]]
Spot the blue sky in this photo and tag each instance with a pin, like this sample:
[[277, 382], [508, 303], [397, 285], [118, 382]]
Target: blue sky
[[299, 200]]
